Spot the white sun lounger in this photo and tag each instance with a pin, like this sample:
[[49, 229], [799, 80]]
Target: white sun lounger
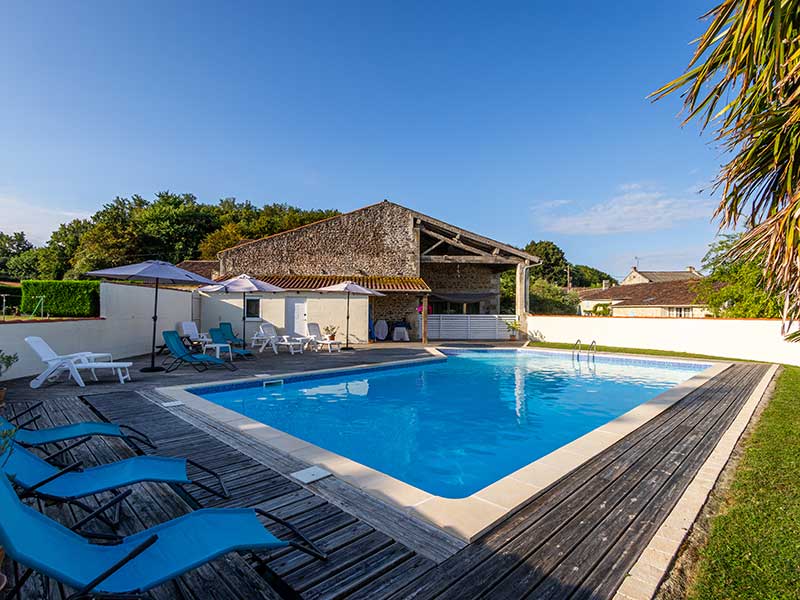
[[267, 335], [189, 329], [74, 363], [318, 339]]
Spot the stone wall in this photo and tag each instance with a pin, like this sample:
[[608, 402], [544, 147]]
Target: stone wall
[[455, 278], [376, 240], [397, 307]]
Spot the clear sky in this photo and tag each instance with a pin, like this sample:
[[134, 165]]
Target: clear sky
[[519, 121]]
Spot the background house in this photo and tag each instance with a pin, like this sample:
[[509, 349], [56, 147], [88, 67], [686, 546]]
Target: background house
[[663, 299], [421, 264], [637, 276]]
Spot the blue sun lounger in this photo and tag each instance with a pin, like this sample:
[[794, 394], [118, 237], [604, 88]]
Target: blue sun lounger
[[230, 337], [136, 563], [180, 355], [81, 432], [36, 477], [218, 337]]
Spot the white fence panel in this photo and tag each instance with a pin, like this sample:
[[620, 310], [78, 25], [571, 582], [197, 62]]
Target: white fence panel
[[468, 327]]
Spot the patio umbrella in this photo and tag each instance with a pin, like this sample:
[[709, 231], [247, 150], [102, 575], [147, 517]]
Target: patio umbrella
[[350, 288], [246, 285], [157, 271]]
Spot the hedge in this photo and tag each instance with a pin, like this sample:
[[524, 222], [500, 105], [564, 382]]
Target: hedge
[[62, 298], [14, 295]]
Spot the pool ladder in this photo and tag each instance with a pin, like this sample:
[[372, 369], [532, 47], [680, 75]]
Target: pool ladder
[[577, 348]]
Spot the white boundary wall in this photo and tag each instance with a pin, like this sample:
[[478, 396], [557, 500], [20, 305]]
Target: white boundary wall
[[750, 339], [124, 329]]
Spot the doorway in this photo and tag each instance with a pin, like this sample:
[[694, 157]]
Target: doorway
[[295, 316]]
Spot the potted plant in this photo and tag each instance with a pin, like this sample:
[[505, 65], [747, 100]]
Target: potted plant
[[330, 331], [513, 327], [5, 440], [6, 360]]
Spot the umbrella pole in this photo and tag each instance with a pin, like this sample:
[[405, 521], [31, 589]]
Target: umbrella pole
[[244, 320], [153, 368], [347, 327]]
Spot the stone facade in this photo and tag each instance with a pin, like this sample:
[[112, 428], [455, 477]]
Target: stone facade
[[376, 240], [397, 307], [384, 240], [455, 278]]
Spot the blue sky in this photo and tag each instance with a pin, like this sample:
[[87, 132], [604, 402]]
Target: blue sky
[[520, 120]]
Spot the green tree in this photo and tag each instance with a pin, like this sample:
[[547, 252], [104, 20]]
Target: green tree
[[111, 241], [226, 236], [586, 276], [735, 288], [743, 82], [55, 258], [24, 265], [549, 299], [172, 227], [554, 264], [11, 245]]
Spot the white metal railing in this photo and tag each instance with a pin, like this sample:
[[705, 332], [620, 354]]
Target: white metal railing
[[468, 327]]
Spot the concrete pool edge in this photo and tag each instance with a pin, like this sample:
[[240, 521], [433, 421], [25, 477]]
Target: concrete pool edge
[[466, 518]]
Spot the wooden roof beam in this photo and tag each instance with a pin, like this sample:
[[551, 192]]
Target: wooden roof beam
[[455, 242]]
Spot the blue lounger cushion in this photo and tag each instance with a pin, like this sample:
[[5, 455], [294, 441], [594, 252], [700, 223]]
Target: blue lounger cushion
[[180, 545], [27, 469], [40, 437]]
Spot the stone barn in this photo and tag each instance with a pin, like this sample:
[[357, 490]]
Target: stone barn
[[421, 264]]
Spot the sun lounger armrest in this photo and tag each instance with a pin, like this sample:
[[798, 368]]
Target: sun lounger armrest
[[16, 416], [101, 509], [67, 448], [307, 546], [28, 491], [115, 567]]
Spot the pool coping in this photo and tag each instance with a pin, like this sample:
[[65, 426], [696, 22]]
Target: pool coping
[[466, 518]]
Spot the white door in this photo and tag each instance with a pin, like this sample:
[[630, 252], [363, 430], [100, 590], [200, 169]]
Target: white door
[[295, 316]]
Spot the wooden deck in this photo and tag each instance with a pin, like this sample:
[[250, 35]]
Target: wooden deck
[[576, 539]]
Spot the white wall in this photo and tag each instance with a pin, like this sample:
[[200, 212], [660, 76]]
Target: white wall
[[325, 309], [751, 339], [124, 329]]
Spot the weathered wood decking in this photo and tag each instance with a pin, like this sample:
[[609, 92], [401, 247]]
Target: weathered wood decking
[[577, 539]]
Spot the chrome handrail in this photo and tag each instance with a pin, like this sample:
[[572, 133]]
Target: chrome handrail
[[592, 351], [577, 346]]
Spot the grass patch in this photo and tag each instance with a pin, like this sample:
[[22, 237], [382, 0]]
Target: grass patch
[[753, 549], [563, 346]]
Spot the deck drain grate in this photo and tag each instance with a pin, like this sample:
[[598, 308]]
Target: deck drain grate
[[310, 475]]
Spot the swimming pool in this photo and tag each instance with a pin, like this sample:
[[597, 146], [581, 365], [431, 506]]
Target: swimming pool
[[455, 426]]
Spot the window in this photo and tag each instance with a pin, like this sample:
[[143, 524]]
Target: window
[[252, 308], [680, 312]]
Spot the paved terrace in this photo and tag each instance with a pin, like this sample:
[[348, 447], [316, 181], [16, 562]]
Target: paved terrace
[[576, 539]]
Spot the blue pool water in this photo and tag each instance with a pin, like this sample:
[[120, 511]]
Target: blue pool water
[[453, 427]]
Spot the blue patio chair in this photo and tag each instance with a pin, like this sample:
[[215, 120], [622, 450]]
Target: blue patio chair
[[218, 337], [181, 355], [230, 337], [134, 564], [36, 477], [81, 432]]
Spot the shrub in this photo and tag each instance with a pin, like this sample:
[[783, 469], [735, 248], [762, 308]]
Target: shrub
[[62, 298], [14, 295]]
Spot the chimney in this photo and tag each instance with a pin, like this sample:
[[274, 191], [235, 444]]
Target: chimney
[[606, 284], [634, 269], [691, 269]]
